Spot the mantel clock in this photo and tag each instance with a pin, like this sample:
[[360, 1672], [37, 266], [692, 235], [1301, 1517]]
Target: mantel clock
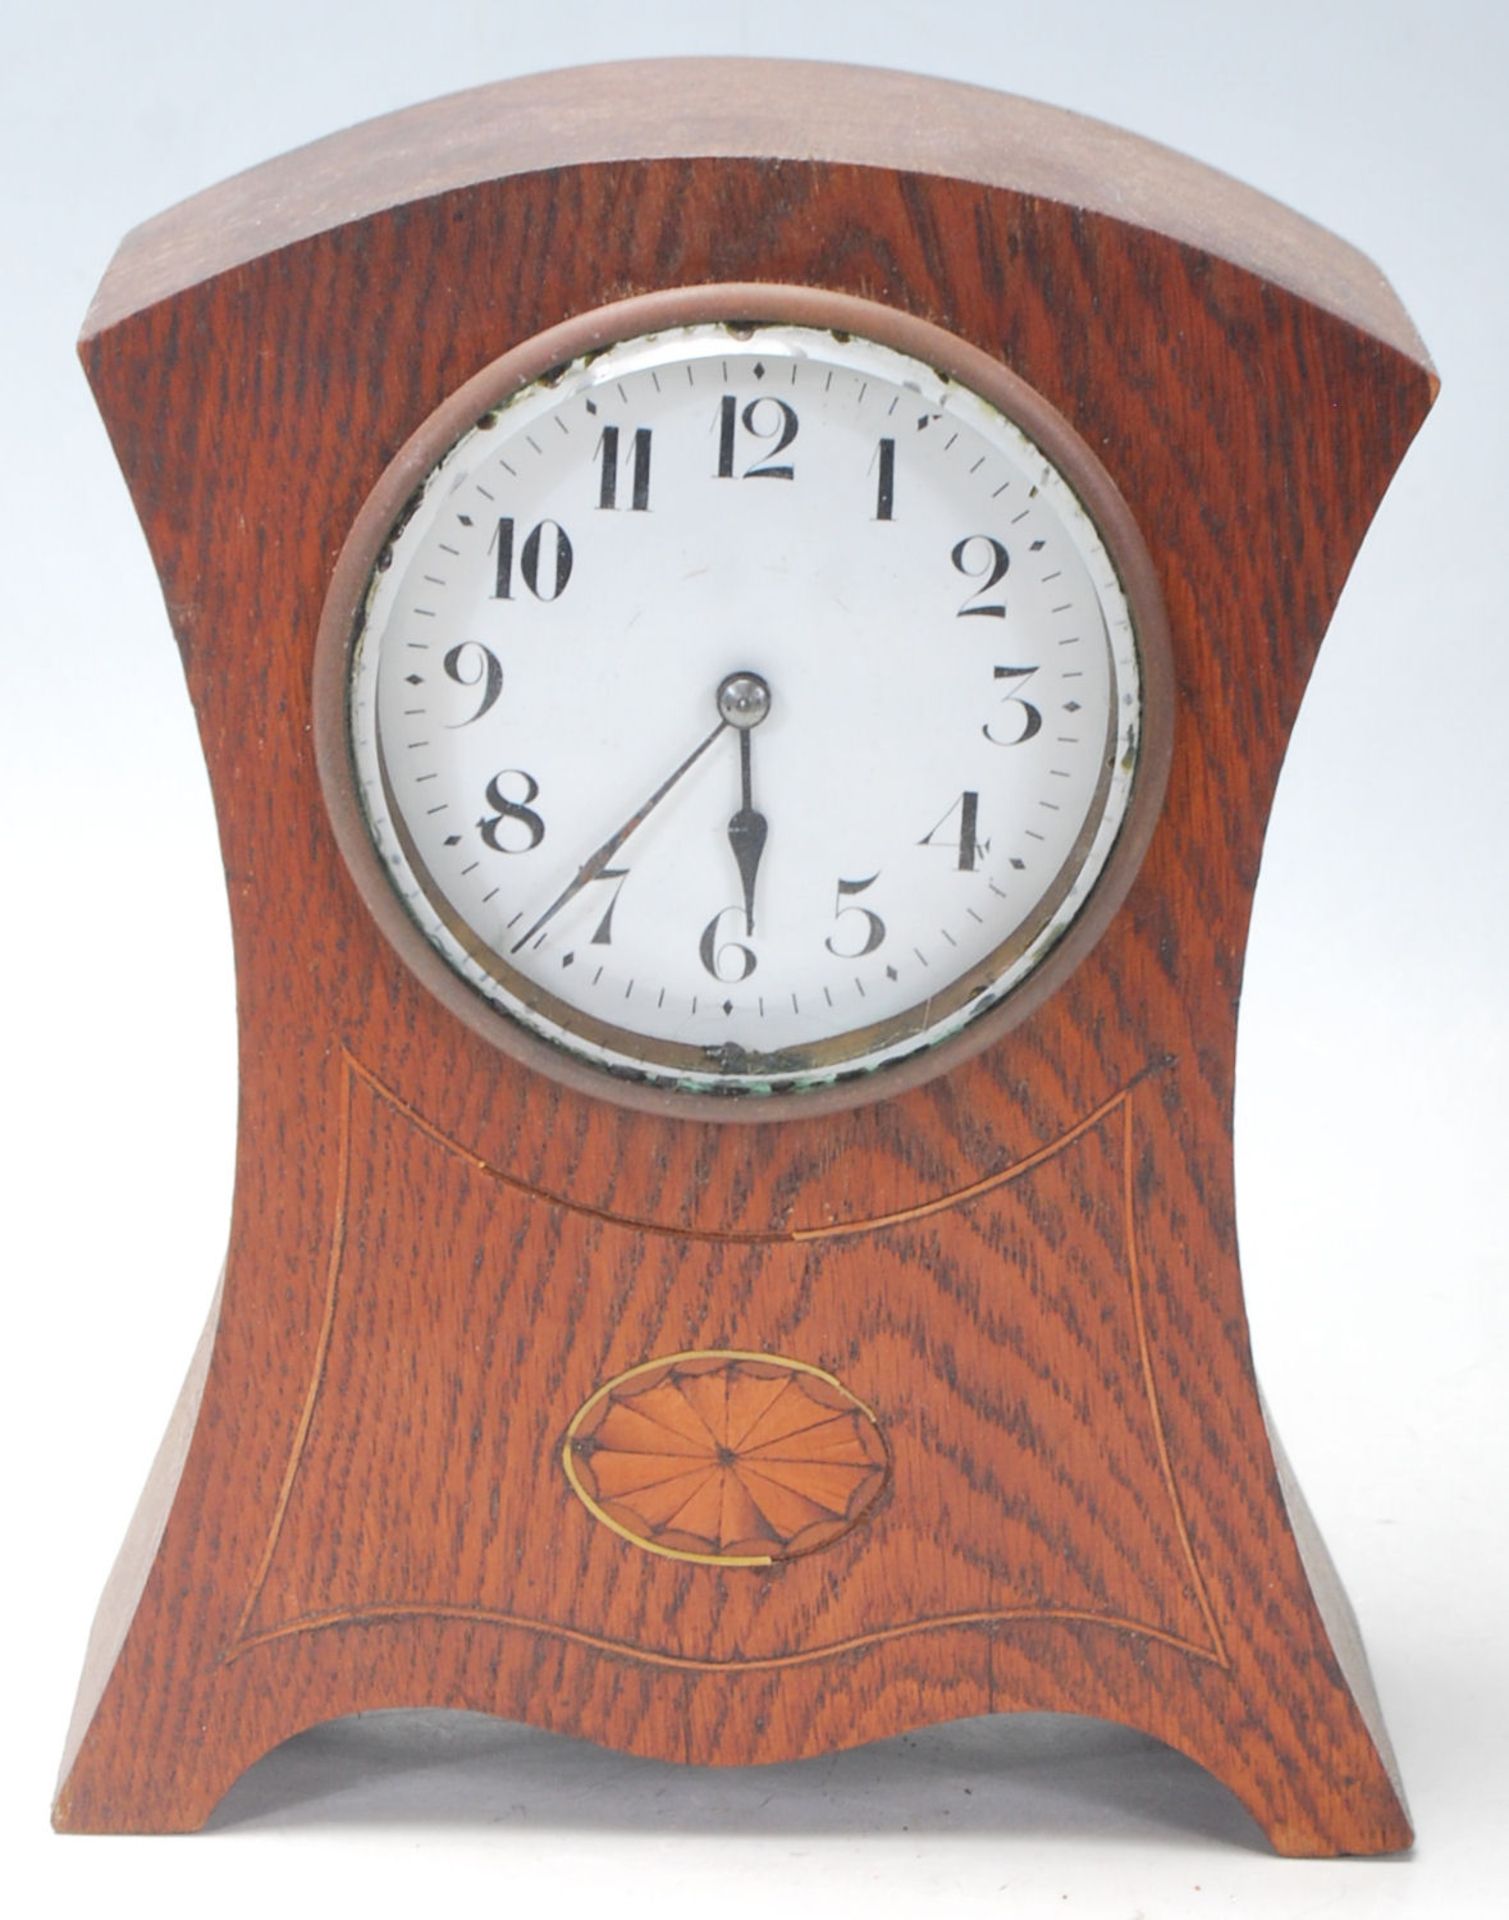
[[744, 618]]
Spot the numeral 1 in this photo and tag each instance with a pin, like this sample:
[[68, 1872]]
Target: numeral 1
[[885, 486], [728, 421]]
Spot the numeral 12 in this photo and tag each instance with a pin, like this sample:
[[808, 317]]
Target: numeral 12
[[764, 419]]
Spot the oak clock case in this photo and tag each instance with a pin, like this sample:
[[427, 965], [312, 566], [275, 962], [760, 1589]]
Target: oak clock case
[[586, 698], [590, 1361]]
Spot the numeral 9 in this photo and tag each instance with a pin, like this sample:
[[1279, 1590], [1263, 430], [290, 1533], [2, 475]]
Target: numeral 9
[[473, 665]]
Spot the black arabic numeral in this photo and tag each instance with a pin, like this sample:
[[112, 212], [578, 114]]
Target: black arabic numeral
[[885, 485], [604, 935], [502, 540], [530, 554], [491, 828], [1031, 719], [473, 665], [970, 846], [639, 470], [560, 568], [715, 951], [781, 428], [874, 926], [988, 568], [728, 420]]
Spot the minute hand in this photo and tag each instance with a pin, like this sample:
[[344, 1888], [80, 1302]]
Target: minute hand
[[595, 863]]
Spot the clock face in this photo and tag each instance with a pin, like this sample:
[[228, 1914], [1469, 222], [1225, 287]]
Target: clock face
[[744, 708]]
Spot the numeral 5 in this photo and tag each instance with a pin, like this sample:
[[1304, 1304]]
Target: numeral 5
[[873, 925]]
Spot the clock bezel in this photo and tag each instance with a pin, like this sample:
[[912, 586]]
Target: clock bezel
[[383, 513]]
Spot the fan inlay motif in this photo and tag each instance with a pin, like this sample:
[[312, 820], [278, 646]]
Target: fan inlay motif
[[741, 1459]]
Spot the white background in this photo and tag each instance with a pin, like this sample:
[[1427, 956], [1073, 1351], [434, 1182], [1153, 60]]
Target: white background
[[1372, 1135]]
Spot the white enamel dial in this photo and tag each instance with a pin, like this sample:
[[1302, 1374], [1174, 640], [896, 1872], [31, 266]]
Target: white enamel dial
[[743, 708]]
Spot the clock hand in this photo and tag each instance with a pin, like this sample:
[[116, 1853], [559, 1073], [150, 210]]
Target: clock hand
[[596, 862], [744, 700]]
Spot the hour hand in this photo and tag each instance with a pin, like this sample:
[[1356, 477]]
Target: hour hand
[[744, 701], [746, 835]]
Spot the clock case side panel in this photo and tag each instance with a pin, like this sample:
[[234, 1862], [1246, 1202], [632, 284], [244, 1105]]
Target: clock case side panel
[[296, 364], [138, 1553]]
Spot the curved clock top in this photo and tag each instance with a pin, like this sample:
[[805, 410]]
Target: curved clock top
[[728, 108]]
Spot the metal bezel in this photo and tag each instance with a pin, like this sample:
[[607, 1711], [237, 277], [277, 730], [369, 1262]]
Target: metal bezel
[[833, 1075]]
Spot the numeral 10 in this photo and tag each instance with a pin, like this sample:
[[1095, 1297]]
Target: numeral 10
[[548, 583]]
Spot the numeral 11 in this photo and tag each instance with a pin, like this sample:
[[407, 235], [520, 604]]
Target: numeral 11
[[639, 461]]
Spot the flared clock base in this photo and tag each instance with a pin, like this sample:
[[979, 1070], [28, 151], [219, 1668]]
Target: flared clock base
[[728, 1552], [205, 1736]]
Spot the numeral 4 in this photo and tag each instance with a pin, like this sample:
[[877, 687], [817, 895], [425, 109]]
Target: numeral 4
[[965, 840]]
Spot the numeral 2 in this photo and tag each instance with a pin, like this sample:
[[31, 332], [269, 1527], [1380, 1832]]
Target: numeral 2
[[980, 557]]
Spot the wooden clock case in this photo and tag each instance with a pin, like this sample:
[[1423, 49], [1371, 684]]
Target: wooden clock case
[[1014, 1286]]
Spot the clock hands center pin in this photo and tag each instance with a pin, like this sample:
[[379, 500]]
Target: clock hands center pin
[[743, 700]]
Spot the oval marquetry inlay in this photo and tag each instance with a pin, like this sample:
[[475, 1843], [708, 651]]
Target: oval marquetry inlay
[[736, 1459]]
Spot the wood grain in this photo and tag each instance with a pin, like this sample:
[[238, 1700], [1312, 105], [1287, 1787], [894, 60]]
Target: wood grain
[[1026, 1270]]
